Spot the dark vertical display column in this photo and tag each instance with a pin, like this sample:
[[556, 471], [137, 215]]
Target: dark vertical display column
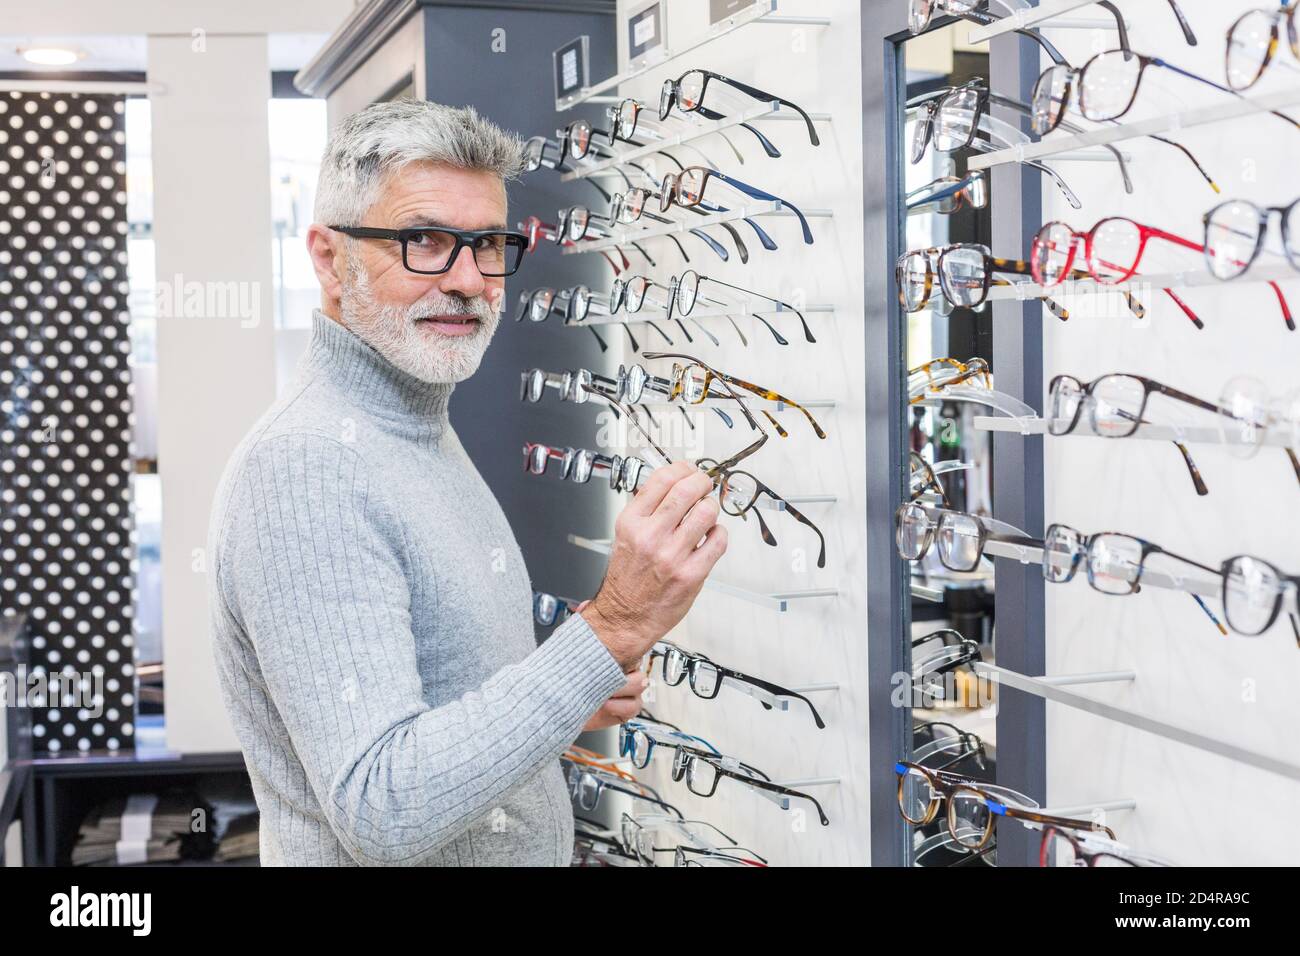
[[65, 414]]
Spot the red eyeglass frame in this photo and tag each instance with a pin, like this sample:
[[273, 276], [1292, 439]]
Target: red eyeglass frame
[[1145, 234]]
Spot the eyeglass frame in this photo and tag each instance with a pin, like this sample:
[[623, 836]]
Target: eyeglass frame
[[463, 237], [685, 758], [691, 668]]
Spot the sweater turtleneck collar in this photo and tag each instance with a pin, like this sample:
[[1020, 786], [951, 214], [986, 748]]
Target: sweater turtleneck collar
[[372, 381]]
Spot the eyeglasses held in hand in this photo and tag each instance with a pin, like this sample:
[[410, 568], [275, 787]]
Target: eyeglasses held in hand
[[432, 250], [705, 677], [1112, 250], [738, 490], [973, 807], [687, 93], [686, 188], [1252, 41]]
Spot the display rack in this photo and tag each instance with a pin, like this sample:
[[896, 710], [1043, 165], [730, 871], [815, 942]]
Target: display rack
[[700, 129], [1054, 145], [1045, 14], [1055, 690], [623, 237], [1201, 435]]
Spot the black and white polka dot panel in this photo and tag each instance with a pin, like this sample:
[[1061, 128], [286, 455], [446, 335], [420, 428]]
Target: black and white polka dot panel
[[66, 541]]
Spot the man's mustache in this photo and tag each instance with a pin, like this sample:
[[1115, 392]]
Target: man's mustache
[[452, 304]]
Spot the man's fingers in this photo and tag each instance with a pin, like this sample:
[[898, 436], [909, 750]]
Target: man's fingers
[[703, 558], [679, 499], [635, 686], [652, 491], [702, 516], [622, 708]]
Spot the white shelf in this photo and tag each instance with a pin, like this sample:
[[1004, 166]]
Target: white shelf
[[1207, 435], [622, 237], [698, 130], [759, 12], [777, 601], [1020, 19], [1053, 690], [1149, 283], [934, 595], [1118, 132]]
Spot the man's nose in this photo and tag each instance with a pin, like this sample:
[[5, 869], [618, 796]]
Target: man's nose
[[463, 277]]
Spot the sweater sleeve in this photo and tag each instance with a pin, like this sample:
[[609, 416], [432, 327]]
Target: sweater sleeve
[[312, 566]]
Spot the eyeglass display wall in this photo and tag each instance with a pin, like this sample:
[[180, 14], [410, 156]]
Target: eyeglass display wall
[[1143, 675], [778, 311]]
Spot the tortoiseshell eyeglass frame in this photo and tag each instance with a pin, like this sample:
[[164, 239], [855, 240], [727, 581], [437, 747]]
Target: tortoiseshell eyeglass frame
[[678, 388]]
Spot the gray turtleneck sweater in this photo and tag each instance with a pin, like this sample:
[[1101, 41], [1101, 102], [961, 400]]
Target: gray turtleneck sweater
[[372, 623]]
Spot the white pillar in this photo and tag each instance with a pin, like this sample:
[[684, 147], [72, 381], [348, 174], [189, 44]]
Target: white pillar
[[216, 350]]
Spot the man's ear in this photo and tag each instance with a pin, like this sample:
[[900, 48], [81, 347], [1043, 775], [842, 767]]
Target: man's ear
[[327, 257]]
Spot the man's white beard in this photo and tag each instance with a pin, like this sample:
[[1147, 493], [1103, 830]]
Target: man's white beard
[[392, 331]]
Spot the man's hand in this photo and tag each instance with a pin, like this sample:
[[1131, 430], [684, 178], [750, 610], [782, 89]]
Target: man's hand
[[666, 541], [623, 705]]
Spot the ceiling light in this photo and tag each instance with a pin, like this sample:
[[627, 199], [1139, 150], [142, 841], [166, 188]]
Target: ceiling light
[[49, 55]]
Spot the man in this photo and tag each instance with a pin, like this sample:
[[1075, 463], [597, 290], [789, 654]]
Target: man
[[372, 614]]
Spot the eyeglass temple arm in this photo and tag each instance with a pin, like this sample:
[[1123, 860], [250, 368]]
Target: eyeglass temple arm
[[769, 98], [1003, 809], [757, 193], [1025, 110], [1183, 25], [775, 690], [799, 516], [985, 18], [783, 791], [1158, 61], [774, 397], [763, 140]]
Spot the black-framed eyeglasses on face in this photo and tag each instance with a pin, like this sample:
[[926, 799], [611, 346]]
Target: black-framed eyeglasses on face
[[432, 250]]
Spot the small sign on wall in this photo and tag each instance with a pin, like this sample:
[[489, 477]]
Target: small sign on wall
[[572, 69], [647, 28], [720, 10]]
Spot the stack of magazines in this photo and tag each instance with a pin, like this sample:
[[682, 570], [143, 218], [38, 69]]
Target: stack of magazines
[[145, 828]]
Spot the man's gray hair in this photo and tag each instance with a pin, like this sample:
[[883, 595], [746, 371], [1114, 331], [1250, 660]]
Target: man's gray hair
[[371, 144]]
